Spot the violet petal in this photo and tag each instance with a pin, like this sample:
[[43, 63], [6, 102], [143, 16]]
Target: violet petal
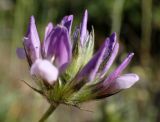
[[91, 68], [111, 59], [48, 30], [118, 70], [60, 47], [32, 42], [110, 43], [46, 41], [67, 22], [83, 29]]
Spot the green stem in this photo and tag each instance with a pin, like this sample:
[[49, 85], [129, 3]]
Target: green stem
[[48, 112]]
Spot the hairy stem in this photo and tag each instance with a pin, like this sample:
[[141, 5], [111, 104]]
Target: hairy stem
[[48, 112]]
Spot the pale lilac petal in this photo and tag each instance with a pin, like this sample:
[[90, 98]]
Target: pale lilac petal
[[118, 70], [92, 67], [21, 53], [45, 70], [125, 81], [83, 29], [46, 41], [32, 42], [67, 22], [120, 83], [60, 47]]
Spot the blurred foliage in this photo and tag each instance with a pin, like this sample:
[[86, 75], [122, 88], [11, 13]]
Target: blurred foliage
[[137, 23]]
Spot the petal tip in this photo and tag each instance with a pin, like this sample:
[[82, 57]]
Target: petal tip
[[130, 55], [86, 12], [113, 37], [32, 19], [114, 34], [136, 77], [127, 80], [70, 17], [85, 17]]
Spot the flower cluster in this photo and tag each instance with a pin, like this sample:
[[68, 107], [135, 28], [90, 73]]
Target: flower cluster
[[65, 68]]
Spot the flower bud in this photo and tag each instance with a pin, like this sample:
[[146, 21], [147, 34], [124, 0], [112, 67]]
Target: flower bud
[[45, 70]]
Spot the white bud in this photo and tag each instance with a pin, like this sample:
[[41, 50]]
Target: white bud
[[45, 70]]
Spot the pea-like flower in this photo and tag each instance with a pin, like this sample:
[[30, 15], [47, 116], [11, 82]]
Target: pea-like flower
[[65, 68]]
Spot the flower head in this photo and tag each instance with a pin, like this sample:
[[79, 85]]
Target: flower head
[[67, 69]]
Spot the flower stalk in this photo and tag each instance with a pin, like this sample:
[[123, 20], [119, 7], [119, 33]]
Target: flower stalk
[[50, 110]]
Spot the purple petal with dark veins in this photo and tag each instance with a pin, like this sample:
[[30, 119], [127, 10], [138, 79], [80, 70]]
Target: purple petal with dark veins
[[111, 59], [110, 45], [60, 47], [103, 85], [92, 67], [21, 53], [83, 29], [32, 42], [67, 22]]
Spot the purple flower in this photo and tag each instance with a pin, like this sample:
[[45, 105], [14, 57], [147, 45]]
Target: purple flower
[[49, 59], [65, 66]]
